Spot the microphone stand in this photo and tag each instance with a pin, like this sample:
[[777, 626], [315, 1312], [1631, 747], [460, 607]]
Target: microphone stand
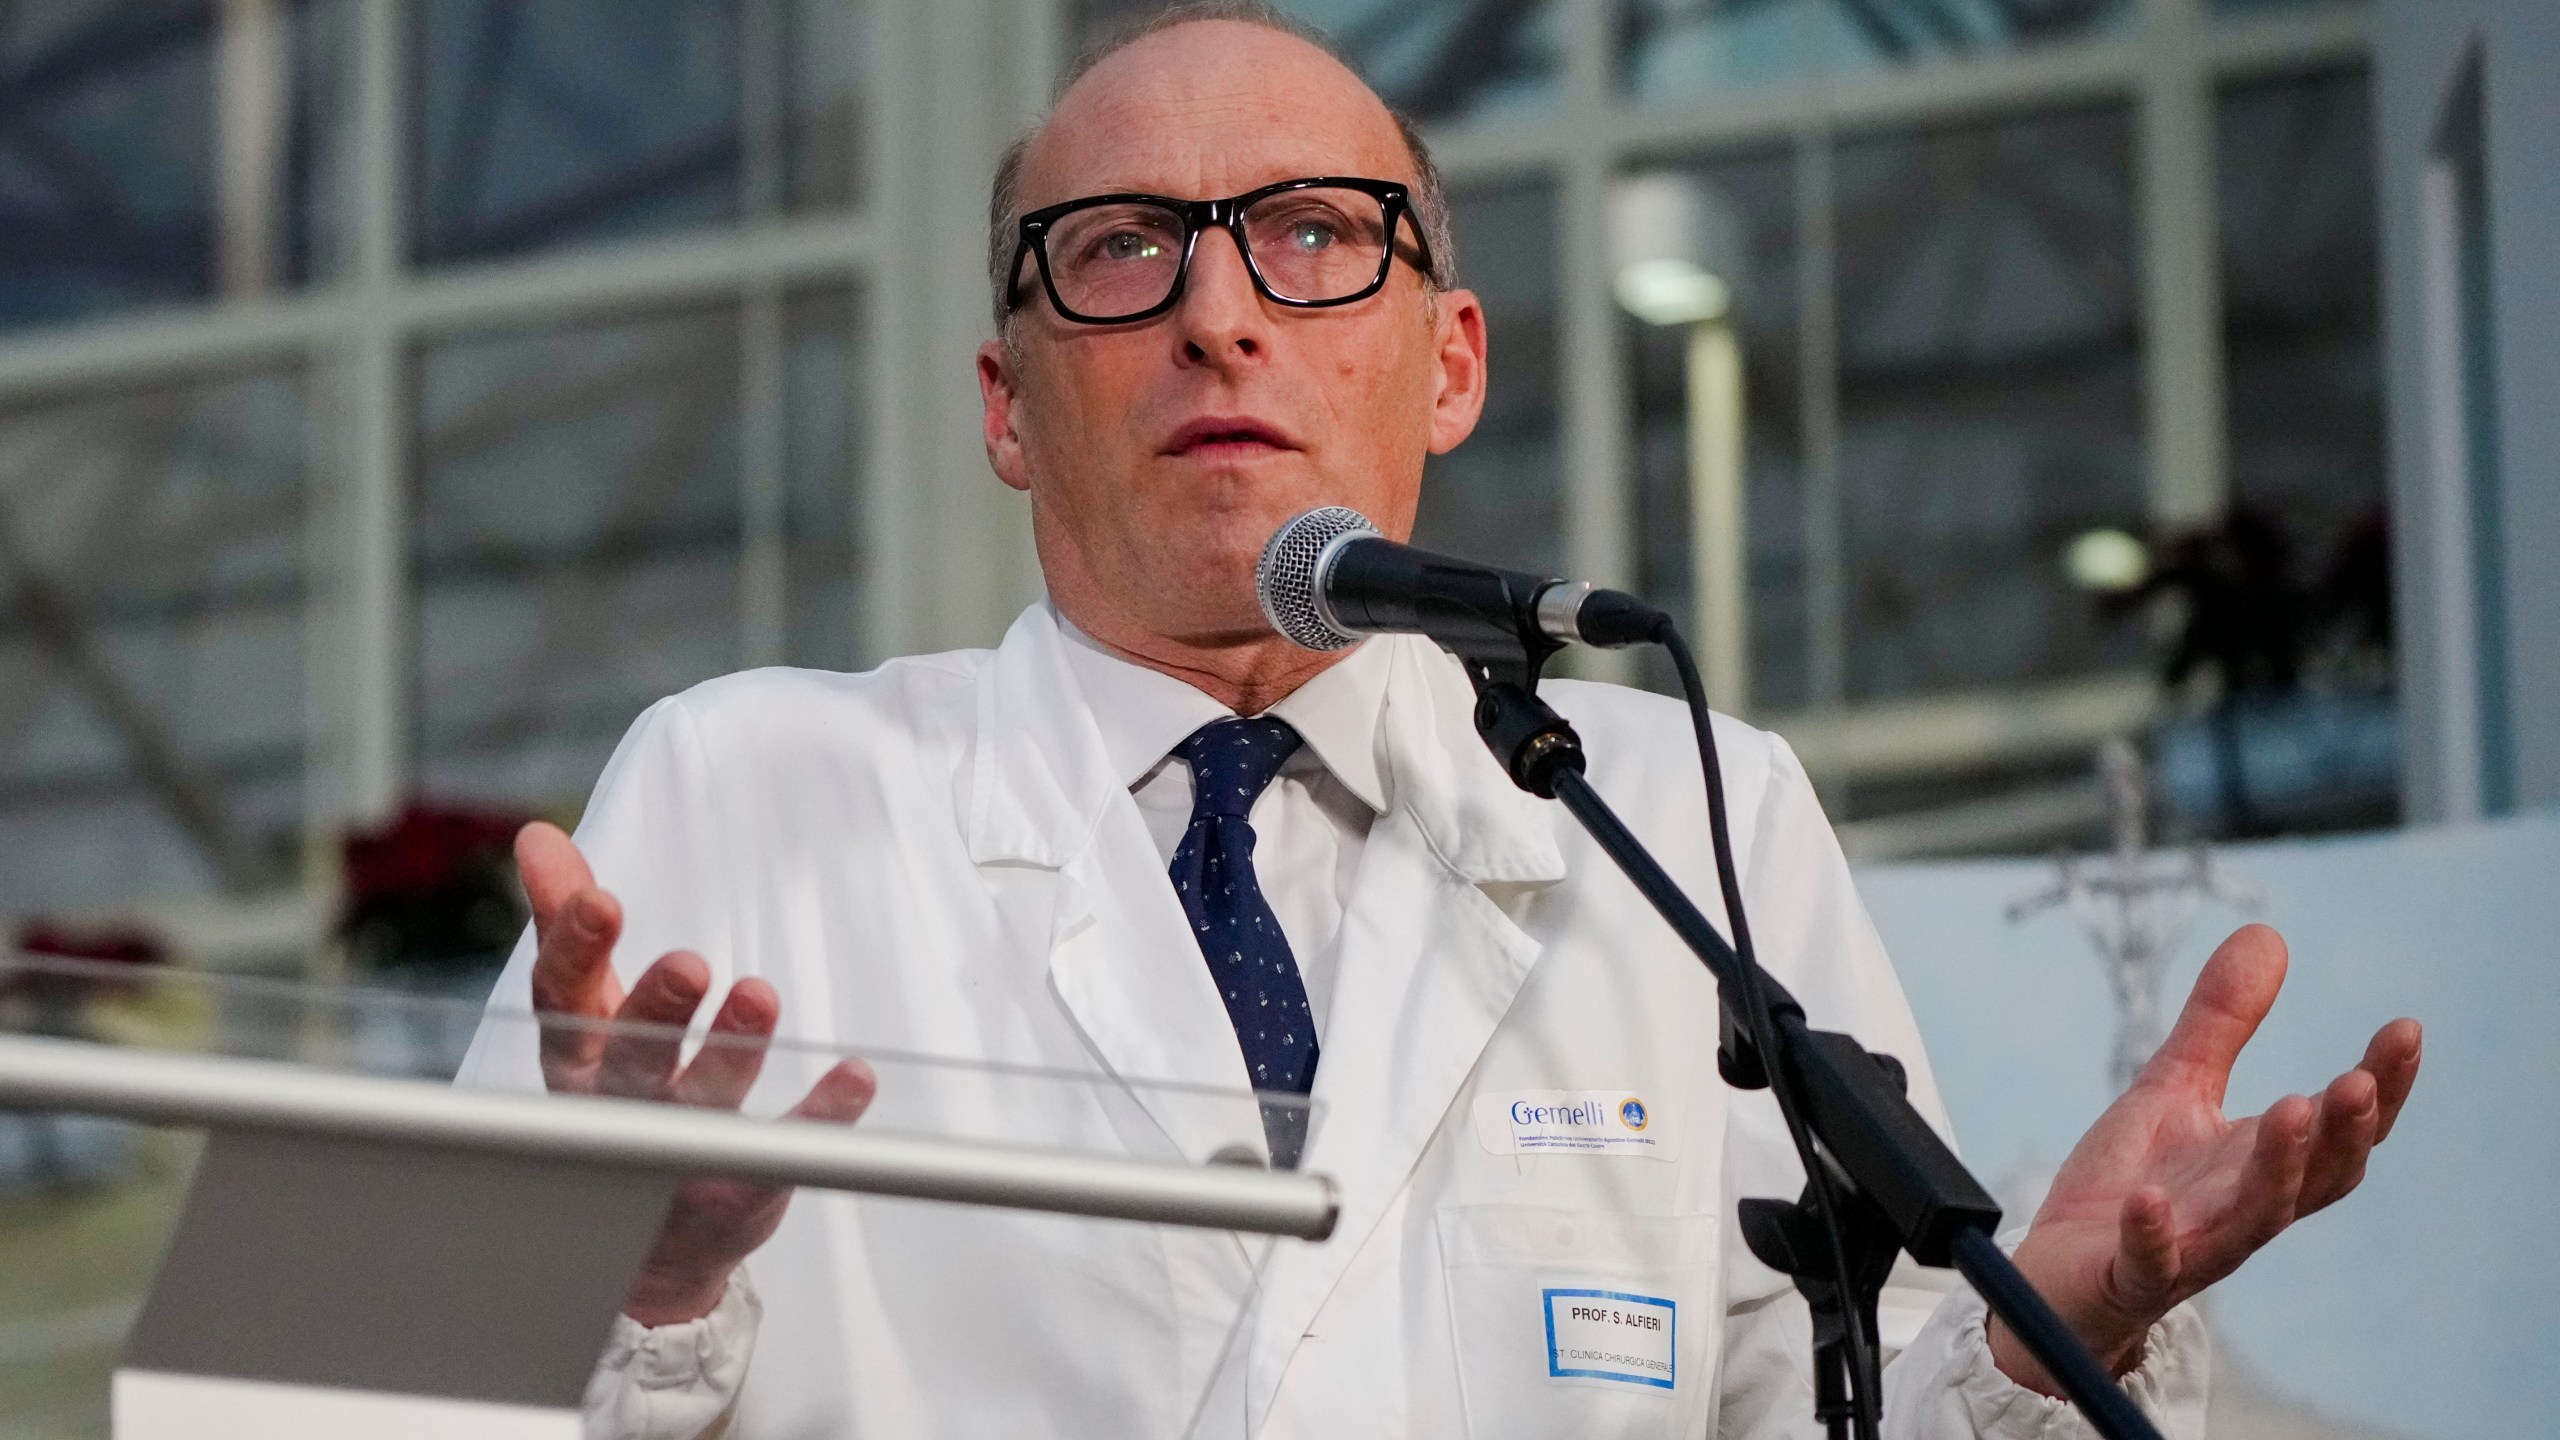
[[1894, 1183]]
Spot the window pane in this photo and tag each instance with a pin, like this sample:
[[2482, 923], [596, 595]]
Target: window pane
[[1432, 59], [823, 365], [2242, 9], [1495, 497], [1990, 397], [2300, 298], [151, 691], [1744, 232], [577, 544], [2304, 385], [543, 122], [823, 44], [1695, 47], [112, 189]]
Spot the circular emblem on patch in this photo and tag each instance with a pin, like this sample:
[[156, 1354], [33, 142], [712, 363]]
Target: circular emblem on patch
[[1631, 1114]]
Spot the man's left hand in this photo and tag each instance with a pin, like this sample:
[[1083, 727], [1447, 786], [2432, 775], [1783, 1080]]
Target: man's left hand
[[2164, 1196]]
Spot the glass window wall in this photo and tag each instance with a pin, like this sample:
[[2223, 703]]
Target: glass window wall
[[152, 564]]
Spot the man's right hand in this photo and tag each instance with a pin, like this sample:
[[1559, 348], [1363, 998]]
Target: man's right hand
[[713, 1224]]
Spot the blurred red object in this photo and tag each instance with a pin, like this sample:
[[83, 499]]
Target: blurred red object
[[120, 944], [433, 885], [57, 997], [425, 850]]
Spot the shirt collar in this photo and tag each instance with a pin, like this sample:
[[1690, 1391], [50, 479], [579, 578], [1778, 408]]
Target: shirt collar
[[1040, 778], [1143, 714]]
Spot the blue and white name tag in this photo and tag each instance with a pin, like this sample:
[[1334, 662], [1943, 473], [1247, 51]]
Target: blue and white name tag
[[1609, 1335]]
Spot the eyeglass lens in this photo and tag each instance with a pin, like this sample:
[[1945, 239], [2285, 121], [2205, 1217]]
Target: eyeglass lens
[[1316, 244]]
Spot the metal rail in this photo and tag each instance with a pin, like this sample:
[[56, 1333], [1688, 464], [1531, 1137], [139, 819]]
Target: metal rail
[[223, 1092]]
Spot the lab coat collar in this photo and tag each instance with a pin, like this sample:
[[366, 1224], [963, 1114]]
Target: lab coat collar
[[1475, 820], [1041, 776]]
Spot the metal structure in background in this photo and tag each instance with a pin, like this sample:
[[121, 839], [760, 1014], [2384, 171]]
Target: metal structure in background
[[369, 225], [2134, 909]]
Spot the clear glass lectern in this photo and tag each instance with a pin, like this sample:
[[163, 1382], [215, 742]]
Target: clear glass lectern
[[414, 1215]]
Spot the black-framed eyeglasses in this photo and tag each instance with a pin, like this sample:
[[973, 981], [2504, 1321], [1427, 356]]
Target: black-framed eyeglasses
[[1114, 259]]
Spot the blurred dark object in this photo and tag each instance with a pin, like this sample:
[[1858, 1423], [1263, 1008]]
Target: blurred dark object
[[2245, 613], [2353, 602], [2301, 671], [434, 889], [2246, 621]]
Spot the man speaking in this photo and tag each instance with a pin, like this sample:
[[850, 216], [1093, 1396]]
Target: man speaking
[[1148, 835]]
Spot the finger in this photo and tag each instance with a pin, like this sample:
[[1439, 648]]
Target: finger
[[2145, 1272], [550, 868], [732, 1055], [574, 924], [2341, 1138], [572, 962], [2392, 1060], [2235, 992], [640, 1061], [841, 1095], [573, 956], [2270, 1183]]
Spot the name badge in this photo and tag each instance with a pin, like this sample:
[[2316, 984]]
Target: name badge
[[1590, 1122], [1608, 1335]]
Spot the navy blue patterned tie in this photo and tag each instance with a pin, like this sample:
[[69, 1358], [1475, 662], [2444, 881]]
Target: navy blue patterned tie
[[1232, 763]]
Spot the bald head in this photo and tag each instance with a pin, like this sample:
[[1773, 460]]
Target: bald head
[[1195, 59]]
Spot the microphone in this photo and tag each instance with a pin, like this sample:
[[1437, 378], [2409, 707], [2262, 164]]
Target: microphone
[[1328, 578]]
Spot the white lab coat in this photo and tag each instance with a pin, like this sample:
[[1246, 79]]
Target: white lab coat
[[935, 857]]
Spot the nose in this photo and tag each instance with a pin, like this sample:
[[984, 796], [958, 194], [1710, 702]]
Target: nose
[[1220, 319]]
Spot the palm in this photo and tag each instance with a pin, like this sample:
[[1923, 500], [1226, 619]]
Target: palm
[[713, 1223], [2164, 1195]]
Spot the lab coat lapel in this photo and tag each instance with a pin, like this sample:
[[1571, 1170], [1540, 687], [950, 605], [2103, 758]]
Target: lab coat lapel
[[1428, 964], [1075, 880]]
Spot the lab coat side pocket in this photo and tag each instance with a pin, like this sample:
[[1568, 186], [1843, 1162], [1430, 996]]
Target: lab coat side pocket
[[1574, 1323]]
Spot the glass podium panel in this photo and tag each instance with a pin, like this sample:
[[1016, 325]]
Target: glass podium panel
[[969, 1206]]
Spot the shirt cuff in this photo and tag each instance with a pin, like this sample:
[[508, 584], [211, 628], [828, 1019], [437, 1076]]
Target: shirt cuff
[[674, 1382], [2169, 1385]]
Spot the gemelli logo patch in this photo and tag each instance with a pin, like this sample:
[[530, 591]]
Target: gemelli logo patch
[[1590, 1122]]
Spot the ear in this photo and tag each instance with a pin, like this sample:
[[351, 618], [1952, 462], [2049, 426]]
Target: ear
[[1458, 369], [997, 387]]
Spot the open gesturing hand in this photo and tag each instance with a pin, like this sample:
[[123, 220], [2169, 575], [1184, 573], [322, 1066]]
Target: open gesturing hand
[[713, 1224], [2164, 1196]]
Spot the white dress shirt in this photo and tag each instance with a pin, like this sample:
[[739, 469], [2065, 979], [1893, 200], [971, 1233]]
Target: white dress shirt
[[1309, 826]]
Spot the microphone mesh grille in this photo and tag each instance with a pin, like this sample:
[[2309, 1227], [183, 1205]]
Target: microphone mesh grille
[[1286, 577]]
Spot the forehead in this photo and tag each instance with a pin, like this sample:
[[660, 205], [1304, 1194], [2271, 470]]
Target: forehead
[[1211, 109]]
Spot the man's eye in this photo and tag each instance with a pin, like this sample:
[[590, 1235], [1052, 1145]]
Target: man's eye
[[1130, 245], [1312, 235]]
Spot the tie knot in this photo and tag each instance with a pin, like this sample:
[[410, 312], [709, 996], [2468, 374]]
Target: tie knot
[[1232, 763]]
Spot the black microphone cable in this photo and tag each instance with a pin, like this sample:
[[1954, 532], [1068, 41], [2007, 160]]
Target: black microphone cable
[[1865, 1375]]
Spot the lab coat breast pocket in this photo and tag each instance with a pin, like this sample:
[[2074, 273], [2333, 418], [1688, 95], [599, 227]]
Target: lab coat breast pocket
[[1586, 1324]]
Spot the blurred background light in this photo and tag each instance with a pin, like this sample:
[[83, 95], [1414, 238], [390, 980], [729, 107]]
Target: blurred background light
[[2106, 561], [1668, 291]]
